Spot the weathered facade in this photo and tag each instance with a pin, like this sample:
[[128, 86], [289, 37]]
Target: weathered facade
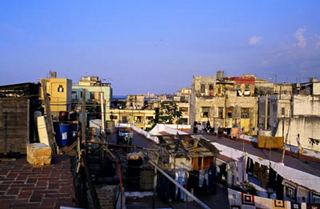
[[293, 111], [135, 102], [224, 102]]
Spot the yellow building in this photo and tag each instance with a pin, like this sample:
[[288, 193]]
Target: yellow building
[[59, 90], [139, 118]]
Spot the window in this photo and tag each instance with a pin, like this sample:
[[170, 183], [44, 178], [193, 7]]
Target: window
[[203, 88], [220, 112], [124, 119], [230, 110], [219, 90], [244, 112], [139, 119], [183, 109], [283, 111], [205, 112], [211, 89], [60, 88], [74, 95]]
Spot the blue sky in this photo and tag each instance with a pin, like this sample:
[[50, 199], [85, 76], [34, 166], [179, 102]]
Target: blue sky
[[157, 46]]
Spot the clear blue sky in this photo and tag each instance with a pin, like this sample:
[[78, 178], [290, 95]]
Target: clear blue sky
[[157, 46]]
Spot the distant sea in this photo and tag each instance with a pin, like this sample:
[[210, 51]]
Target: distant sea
[[114, 97]]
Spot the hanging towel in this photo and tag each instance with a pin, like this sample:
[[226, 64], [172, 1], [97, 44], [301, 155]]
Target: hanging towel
[[272, 179], [279, 188]]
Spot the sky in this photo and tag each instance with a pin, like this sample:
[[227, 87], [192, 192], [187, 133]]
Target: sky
[[158, 46]]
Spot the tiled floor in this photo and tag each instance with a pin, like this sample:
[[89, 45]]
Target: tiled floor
[[24, 186]]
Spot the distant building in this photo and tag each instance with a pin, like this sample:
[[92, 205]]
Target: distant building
[[140, 118], [224, 102], [135, 102], [93, 88], [59, 90], [182, 99]]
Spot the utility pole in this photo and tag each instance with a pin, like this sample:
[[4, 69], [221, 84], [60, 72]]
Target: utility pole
[[103, 120], [83, 117], [266, 114]]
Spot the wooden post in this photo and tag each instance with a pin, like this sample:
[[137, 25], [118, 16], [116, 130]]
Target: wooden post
[[93, 192], [83, 117], [266, 114], [52, 140]]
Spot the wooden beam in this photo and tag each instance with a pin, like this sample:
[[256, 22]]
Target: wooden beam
[[51, 138]]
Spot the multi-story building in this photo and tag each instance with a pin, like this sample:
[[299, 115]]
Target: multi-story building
[[135, 102], [93, 89], [182, 99], [224, 102], [140, 118], [293, 111], [59, 90]]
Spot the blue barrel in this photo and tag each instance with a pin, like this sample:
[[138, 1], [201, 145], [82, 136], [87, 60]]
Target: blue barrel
[[61, 134], [73, 133]]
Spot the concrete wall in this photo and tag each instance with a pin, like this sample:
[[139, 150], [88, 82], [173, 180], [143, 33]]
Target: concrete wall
[[306, 105], [307, 127]]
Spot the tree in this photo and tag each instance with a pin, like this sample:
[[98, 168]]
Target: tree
[[167, 113]]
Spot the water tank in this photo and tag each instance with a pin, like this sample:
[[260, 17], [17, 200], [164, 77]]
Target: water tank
[[220, 74], [53, 74], [313, 80]]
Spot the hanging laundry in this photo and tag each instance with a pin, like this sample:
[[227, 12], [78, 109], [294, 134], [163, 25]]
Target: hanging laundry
[[250, 166], [295, 205], [247, 199], [193, 181], [262, 202], [313, 206], [290, 191], [280, 204], [279, 187], [201, 177], [241, 169], [229, 176], [263, 176], [272, 179], [181, 176], [256, 169], [302, 194], [222, 171], [212, 176]]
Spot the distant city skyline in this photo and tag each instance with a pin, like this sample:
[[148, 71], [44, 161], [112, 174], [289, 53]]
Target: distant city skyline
[[157, 46]]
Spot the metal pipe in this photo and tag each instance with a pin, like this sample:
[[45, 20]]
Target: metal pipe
[[180, 187]]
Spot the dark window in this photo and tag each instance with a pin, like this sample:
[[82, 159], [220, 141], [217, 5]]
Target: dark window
[[60, 88], [183, 109], [244, 112], [230, 110], [203, 88], [220, 113], [283, 111], [205, 112]]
